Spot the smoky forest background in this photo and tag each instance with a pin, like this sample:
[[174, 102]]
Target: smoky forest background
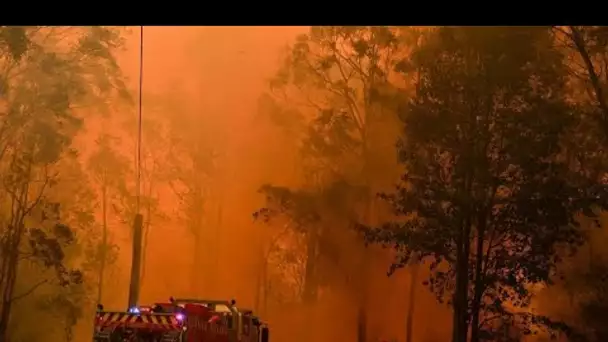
[[365, 184]]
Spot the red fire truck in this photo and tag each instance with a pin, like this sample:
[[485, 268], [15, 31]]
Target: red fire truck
[[181, 320]]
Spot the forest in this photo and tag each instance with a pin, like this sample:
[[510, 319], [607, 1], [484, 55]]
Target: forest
[[347, 183]]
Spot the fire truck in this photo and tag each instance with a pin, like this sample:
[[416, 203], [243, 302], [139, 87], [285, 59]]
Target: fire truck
[[180, 320]]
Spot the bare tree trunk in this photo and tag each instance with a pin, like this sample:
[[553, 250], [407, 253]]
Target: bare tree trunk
[[479, 280], [261, 299], [196, 267], [362, 293], [598, 91], [361, 323], [216, 243], [147, 226], [368, 218], [4, 318], [196, 221], [310, 279], [7, 294], [411, 304], [11, 277], [16, 230], [266, 287], [259, 279], [460, 300], [104, 241]]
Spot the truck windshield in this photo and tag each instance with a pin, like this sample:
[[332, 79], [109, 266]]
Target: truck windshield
[[222, 308], [166, 308]]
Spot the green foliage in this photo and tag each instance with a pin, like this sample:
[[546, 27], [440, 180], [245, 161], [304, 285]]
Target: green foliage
[[487, 194]]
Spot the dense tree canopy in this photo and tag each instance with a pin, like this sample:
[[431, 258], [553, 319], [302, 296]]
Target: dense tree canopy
[[50, 77], [487, 196]]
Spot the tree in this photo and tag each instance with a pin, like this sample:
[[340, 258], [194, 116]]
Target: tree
[[597, 300], [312, 257], [411, 303], [307, 213], [487, 196], [193, 164], [337, 93], [50, 76], [281, 268], [65, 307], [126, 199], [588, 45], [579, 292], [109, 170]]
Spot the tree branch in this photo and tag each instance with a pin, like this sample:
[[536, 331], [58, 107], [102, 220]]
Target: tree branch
[[581, 47], [28, 292]]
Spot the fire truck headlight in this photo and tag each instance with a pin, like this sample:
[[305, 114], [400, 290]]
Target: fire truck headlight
[[179, 316]]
